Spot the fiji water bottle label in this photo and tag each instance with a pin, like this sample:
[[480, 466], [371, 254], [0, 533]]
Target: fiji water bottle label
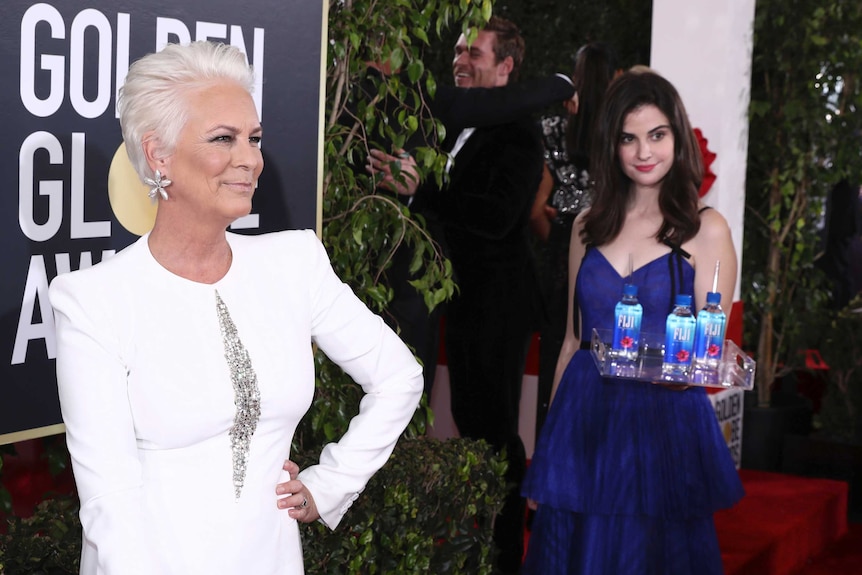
[[709, 342], [679, 345], [627, 331]]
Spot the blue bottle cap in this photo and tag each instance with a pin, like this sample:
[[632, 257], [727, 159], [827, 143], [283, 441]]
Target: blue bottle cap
[[630, 290], [713, 297], [683, 299]]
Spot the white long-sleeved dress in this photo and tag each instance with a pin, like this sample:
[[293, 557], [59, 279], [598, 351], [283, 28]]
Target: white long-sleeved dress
[[147, 394]]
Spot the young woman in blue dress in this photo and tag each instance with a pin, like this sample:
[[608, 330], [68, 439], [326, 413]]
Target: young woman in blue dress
[[627, 474]]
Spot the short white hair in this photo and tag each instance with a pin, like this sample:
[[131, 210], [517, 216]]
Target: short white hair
[[154, 97]]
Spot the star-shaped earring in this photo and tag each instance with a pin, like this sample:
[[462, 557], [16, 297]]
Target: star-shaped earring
[[158, 186]]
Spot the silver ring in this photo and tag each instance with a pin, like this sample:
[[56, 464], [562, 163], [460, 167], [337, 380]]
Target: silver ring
[[304, 503]]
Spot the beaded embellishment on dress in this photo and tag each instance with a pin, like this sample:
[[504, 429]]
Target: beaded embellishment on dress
[[571, 182], [246, 394]]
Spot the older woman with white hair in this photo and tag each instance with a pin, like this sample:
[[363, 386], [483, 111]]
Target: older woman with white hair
[[185, 362]]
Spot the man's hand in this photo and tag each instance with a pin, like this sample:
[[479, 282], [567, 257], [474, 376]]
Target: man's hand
[[397, 173]]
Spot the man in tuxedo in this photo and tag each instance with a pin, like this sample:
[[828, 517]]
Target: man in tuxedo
[[456, 108], [481, 218]]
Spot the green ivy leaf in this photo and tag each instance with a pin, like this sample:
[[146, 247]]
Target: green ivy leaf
[[487, 8], [415, 70], [396, 58]]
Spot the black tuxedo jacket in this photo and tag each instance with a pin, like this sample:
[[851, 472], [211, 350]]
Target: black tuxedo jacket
[[481, 215], [458, 108]]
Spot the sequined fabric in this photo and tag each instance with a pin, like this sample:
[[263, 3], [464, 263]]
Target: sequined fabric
[[571, 182], [570, 195], [246, 394]]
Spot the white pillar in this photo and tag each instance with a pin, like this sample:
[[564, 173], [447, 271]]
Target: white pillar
[[704, 48]]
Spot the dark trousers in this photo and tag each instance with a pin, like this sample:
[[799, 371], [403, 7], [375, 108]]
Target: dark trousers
[[409, 317], [552, 329], [486, 350]]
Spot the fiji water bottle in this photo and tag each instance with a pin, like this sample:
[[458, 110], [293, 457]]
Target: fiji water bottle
[[627, 325], [679, 339], [709, 333]]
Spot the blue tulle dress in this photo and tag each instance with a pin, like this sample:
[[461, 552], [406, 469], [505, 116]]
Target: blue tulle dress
[[627, 474]]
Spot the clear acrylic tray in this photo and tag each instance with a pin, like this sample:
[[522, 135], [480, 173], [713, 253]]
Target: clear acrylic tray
[[736, 368]]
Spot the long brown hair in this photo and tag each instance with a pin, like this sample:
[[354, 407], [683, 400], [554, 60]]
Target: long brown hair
[[611, 189], [595, 65]]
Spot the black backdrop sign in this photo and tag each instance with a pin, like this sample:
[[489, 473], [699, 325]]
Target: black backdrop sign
[[61, 64]]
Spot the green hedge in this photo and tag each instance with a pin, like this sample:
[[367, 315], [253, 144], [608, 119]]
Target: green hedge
[[429, 510], [47, 543]]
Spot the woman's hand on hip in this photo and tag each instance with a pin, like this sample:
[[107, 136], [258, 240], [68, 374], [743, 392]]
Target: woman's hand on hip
[[293, 496]]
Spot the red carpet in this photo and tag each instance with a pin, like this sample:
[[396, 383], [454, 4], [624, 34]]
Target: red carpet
[[782, 524], [844, 557]]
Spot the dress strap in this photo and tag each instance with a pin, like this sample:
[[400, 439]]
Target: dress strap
[[676, 248], [677, 253], [676, 275]]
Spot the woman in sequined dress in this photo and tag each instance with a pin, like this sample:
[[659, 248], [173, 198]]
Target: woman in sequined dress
[[562, 194], [185, 361]]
